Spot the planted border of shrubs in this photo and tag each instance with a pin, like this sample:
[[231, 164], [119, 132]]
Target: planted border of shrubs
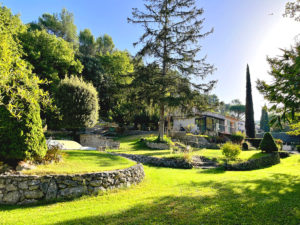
[[253, 164], [237, 137]]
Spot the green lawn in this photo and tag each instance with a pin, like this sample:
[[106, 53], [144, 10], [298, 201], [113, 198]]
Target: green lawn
[[79, 161], [131, 145], [177, 196]]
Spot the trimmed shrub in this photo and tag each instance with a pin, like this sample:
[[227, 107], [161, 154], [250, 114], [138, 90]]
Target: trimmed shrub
[[298, 148], [255, 142], [22, 139], [77, 102], [237, 138], [268, 144], [283, 154], [231, 151], [245, 146], [253, 164]]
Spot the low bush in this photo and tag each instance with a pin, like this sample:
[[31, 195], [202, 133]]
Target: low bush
[[231, 151], [255, 142], [245, 146], [283, 154], [253, 164], [298, 148], [237, 138], [54, 153], [268, 144]]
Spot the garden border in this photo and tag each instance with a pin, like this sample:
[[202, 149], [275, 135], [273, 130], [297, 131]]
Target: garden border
[[27, 189]]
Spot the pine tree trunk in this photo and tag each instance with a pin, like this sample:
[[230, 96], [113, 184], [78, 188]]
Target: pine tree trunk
[[161, 123]]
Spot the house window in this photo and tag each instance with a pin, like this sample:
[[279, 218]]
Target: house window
[[210, 124]]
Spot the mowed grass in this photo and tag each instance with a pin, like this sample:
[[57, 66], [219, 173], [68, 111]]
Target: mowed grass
[[178, 196], [132, 145], [79, 161]]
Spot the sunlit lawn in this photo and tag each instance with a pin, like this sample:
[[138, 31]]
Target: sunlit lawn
[[175, 196], [79, 161]]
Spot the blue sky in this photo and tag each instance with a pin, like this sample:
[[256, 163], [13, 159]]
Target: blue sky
[[246, 31]]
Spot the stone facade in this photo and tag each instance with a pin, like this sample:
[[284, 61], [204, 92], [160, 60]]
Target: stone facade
[[159, 146], [162, 162], [96, 141], [22, 189]]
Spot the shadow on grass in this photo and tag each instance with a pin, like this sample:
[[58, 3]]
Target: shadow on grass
[[219, 170], [270, 201]]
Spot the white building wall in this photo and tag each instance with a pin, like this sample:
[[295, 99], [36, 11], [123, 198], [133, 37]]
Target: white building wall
[[177, 123]]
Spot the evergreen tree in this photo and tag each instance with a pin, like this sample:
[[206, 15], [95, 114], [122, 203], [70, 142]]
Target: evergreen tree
[[172, 31], [249, 123], [264, 120]]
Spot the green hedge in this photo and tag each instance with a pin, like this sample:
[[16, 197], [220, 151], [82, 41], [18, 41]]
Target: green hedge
[[268, 144], [22, 138], [255, 142], [253, 164]]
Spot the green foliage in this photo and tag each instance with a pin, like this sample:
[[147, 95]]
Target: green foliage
[[62, 25], [249, 113], [231, 151], [77, 102], [268, 144], [237, 137], [54, 154], [52, 58], [245, 146], [264, 120], [255, 142], [298, 148], [238, 110], [21, 134]]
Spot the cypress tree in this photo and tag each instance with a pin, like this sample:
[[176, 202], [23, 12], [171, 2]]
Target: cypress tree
[[249, 123], [264, 120]]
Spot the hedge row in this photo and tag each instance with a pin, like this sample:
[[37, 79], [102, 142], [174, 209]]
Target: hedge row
[[265, 161], [255, 142]]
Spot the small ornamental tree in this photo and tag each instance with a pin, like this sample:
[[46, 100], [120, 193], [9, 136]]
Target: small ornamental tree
[[78, 103], [268, 144]]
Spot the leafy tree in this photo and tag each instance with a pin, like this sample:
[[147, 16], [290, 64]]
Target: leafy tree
[[238, 111], [292, 9], [172, 31], [264, 120], [105, 44], [78, 103], [21, 134], [51, 58], [62, 25], [249, 113], [87, 45]]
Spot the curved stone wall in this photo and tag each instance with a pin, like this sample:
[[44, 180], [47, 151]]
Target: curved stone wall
[[23, 189], [163, 162]]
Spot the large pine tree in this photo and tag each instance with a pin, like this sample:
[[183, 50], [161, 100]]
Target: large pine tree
[[172, 31], [249, 125]]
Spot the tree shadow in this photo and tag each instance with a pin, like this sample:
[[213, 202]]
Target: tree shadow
[[271, 201]]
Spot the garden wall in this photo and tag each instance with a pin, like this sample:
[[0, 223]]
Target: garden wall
[[265, 161], [163, 162], [94, 140], [22, 189]]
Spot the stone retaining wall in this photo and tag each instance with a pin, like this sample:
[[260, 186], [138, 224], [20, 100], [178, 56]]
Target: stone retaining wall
[[163, 162], [94, 140], [23, 189], [159, 146]]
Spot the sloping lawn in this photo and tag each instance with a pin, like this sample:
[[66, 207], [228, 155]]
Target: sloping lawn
[[132, 145], [79, 161], [175, 196]]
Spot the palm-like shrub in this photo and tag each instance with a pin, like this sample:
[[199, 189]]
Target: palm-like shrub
[[77, 101], [268, 144]]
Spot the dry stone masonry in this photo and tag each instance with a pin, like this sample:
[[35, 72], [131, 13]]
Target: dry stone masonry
[[98, 141], [23, 189]]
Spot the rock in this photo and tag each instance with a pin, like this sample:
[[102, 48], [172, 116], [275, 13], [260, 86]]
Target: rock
[[34, 187], [72, 192], [11, 187], [23, 185], [36, 194], [70, 183], [33, 182], [1, 197], [11, 197], [24, 166], [96, 183], [52, 190]]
